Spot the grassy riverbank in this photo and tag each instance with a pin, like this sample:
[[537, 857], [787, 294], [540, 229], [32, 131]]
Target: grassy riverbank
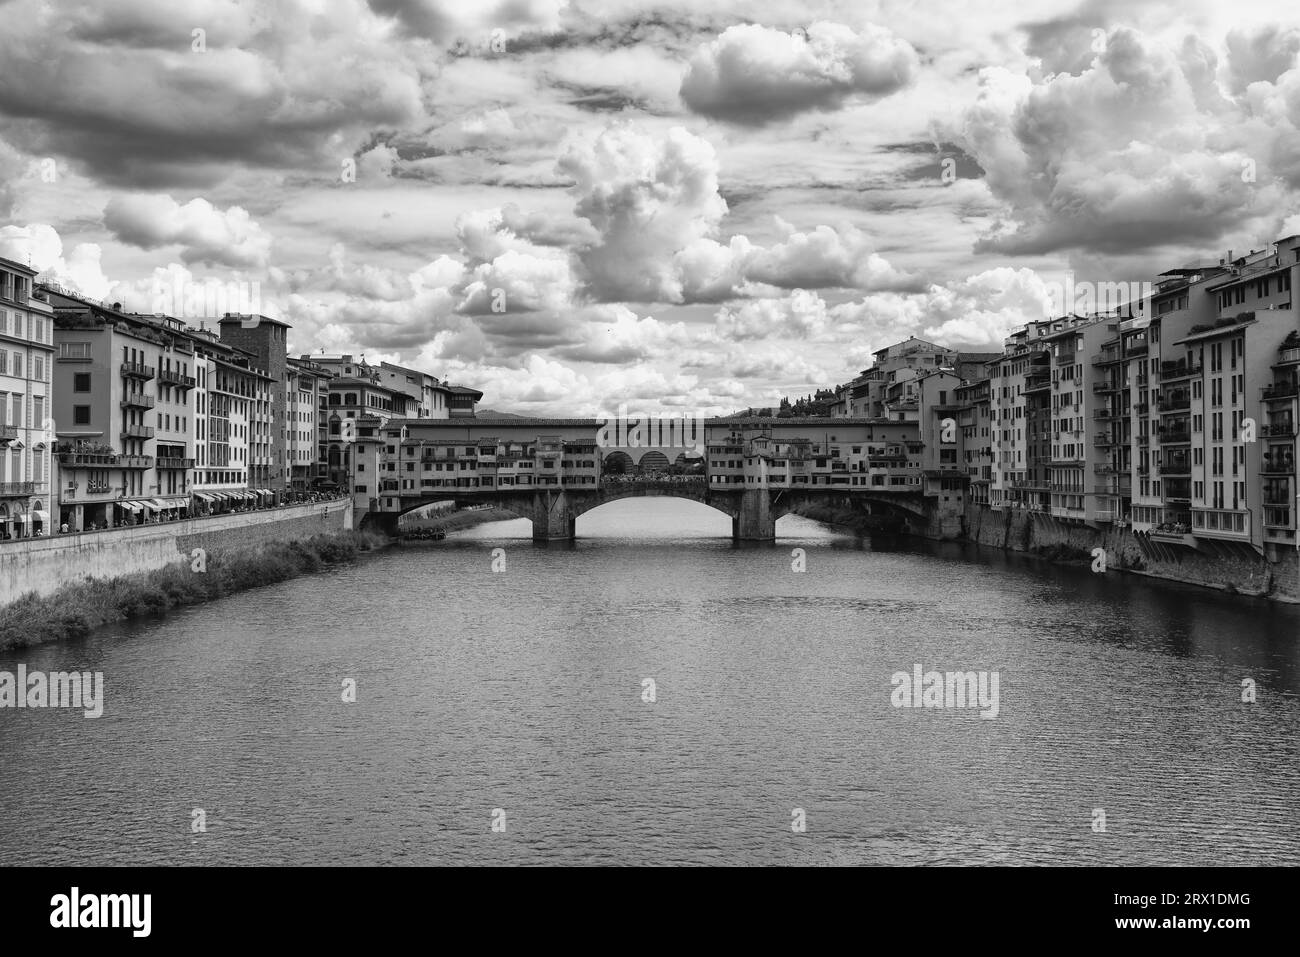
[[73, 611], [458, 520]]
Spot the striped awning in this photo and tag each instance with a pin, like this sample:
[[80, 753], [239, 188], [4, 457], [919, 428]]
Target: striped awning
[[204, 497], [129, 506], [160, 504]]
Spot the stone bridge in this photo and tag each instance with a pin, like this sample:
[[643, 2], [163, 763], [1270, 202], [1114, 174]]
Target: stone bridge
[[753, 511]]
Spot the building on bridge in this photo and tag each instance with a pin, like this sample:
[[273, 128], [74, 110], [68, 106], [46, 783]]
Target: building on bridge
[[552, 470]]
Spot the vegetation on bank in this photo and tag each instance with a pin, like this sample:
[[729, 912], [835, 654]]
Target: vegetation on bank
[[74, 610]]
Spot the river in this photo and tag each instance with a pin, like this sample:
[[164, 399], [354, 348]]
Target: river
[[520, 697]]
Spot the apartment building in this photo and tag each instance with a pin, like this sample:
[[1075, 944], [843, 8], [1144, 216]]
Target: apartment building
[[26, 390], [266, 340], [974, 421], [305, 425], [124, 413]]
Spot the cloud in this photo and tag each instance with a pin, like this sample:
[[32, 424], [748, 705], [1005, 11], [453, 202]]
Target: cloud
[[754, 75], [616, 334], [204, 233], [647, 197], [1132, 153], [40, 245], [976, 313], [1261, 55], [120, 90]]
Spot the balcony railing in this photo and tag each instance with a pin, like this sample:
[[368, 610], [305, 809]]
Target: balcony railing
[[8, 433], [1278, 428], [137, 370], [137, 400], [1171, 469], [1287, 356], [174, 377], [1281, 390], [1102, 387], [1175, 437], [168, 462], [1175, 403], [17, 488], [1170, 371], [1103, 415], [132, 431]]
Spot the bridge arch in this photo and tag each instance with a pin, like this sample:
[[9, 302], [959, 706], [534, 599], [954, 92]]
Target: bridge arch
[[653, 461], [618, 463]]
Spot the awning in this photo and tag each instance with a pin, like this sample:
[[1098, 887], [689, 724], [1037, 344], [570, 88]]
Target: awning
[[159, 504], [219, 496], [129, 506], [24, 517], [204, 497], [146, 504], [42, 516]]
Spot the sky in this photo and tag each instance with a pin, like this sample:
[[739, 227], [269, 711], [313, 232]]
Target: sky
[[690, 207]]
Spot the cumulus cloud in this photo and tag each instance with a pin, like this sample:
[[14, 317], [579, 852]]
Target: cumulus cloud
[[204, 233], [292, 90], [753, 74], [40, 246], [615, 334], [976, 313], [1137, 151], [654, 207], [801, 315], [443, 20], [647, 197]]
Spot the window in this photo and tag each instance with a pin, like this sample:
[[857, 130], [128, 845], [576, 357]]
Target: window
[[81, 415], [81, 382]]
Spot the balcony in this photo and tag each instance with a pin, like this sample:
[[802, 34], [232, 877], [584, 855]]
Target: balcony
[[1105, 441], [1107, 415], [1173, 371], [1173, 534], [1175, 437], [136, 462], [17, 488], [1281, 390], [1106, 356], [1108, 468], [1273, 428], [1142, 408], [1275, 517], [174, 377], [1181, 402], [1221, 523], [1143, 439], [1099, 388], [137, 400], [8, 433], [1286, 357], [137, 370], [174, 463], [132, 431], [1176, 469]]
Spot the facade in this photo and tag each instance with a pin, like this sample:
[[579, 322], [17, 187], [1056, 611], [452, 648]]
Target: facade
[[305, 424], [124, 412], [266, 340], [26, 406]]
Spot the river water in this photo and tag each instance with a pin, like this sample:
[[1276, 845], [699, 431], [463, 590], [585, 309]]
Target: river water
[[519, 696]]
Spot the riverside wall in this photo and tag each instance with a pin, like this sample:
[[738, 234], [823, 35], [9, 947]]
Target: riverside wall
[[44, 565], [1275, 574]]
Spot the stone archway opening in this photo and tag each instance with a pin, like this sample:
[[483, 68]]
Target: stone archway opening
[[617, 463], [652, 463]]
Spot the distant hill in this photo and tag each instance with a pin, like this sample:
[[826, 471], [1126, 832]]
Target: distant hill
[[491, 414]]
